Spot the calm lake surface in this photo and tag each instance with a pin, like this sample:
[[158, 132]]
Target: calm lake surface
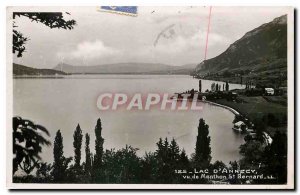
[[63, 103]]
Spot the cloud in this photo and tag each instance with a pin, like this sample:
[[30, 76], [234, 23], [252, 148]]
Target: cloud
[[90, 50], [102, 38], [182, 43]]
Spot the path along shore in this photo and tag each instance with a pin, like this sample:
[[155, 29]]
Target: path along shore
[[223, 106]]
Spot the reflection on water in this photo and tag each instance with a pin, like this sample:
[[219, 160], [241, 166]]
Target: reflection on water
[[63, 103]]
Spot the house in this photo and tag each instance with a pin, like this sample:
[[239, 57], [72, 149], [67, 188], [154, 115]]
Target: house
[[269, 91], [239, 126]]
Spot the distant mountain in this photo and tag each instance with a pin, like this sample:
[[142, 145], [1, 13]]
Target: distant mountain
[[19, 70], [189, 66], [261, 52], [126, 68]]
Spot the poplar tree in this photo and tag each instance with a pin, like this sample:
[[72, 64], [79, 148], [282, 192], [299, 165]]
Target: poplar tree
[[98, 144], [88, 162], [227, 86], [60, 164], [203, 150], [77, 145], [200, 86]]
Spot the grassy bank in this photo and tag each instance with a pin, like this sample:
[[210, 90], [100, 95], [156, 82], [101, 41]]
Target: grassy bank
[[258, 108]]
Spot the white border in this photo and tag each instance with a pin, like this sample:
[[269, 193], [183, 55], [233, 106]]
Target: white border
[[9, 115]]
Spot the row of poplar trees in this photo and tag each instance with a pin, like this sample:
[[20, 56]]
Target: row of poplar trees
[[78, 172], [124, 166]]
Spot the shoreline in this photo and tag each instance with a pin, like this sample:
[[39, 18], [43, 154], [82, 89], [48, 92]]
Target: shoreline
[[235, 112], [230, 80], [83, 74]]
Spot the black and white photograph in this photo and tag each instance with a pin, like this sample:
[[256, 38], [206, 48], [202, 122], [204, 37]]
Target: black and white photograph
[[139, 97]]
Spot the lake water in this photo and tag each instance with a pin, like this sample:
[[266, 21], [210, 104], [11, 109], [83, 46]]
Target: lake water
[[63, 103]]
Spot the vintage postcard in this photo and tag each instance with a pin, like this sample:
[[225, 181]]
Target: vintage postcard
[[131, 97]]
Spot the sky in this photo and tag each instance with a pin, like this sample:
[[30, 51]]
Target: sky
[[167, 35]]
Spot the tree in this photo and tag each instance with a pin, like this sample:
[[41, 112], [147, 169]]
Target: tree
[[88, 163], [149, 167], [174, 151], [98, 145], [61, 163], [234, 166], [50, 19], [27, 144], [130, 165], [169, 159], [44, 170], [203, 150], [160, 152], [58, 157], [259, 128], [213, 87], [183, 162], [121, 166], [163, 162], [226, 73], [275, 158], [227, 86], [77, 145], [252, 152], [200, 85]]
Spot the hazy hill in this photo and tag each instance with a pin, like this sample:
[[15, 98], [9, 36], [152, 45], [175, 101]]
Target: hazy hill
[[127, 68], [261, 52], [19, 70]]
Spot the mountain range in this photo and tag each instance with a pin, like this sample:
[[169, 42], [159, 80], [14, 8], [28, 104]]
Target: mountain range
[[260, 55], [127, 68], [120, 68]]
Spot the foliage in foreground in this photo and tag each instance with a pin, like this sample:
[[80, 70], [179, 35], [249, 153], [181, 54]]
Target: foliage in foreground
[[161, 166], [50, 19]]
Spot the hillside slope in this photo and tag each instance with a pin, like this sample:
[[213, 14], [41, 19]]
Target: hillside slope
[[19, 70], [261, 54]]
